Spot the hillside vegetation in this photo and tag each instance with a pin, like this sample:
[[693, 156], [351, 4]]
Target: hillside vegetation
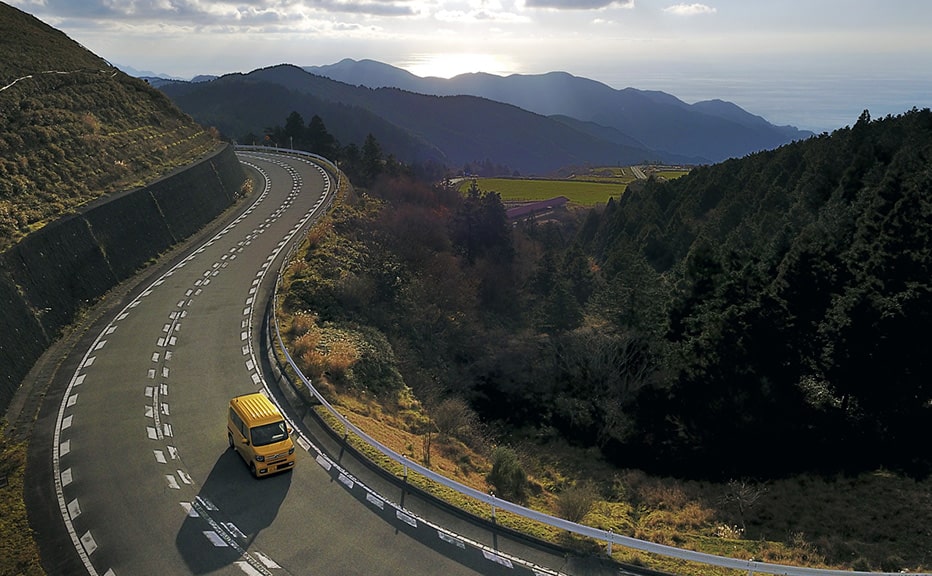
[[755, 325], [73, 128]]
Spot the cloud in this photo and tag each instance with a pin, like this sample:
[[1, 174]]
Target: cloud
[[578, 4], [689, 9], [218, 12]]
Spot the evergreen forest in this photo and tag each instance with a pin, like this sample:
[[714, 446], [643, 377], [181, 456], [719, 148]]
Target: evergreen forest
[[756, 318]]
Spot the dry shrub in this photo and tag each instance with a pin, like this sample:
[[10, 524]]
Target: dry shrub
[[575, 502], [305, 343], [312, 363], [662, 496], [317, 233], [453, 416], [301, 324], [298, 267], [341, 357]]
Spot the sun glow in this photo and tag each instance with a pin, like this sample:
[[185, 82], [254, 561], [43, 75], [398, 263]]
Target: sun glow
[[448, 65]]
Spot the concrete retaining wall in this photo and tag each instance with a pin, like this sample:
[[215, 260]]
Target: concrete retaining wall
[[49, 276]]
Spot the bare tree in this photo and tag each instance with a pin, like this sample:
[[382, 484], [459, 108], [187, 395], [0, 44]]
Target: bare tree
[[743, 495]]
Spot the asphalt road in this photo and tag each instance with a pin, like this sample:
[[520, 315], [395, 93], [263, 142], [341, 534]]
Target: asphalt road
[[141, 474], [128, 470]]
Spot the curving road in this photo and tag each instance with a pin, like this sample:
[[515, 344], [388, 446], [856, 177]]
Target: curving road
[[141, 472]]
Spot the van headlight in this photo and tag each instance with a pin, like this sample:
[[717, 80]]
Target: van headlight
[[260, 458], [291, 451]]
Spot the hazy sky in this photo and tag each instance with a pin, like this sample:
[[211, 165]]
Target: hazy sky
[[812, 63]]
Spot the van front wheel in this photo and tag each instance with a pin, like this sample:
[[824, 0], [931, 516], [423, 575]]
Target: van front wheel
[[252, 468], [230, 440]]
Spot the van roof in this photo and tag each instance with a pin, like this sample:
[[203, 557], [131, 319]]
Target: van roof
[[256, 409]]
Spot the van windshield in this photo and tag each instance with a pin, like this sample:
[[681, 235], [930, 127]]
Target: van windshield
[[268, 434]]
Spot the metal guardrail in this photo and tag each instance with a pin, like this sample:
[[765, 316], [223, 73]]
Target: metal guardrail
[[610, 538]]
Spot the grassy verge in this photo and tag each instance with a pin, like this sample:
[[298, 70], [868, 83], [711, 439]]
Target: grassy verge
[[19, 554], [871, 522]]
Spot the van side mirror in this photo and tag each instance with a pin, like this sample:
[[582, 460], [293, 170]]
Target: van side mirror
[[246, 441]]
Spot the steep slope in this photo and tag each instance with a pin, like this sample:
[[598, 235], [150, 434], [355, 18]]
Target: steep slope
[[73, 127], [414, 127], [714, 130]]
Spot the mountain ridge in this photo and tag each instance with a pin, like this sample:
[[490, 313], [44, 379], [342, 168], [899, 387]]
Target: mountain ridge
[[452, 130], [659, 120]]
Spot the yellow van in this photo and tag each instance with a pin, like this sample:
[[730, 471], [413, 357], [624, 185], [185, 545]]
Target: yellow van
[[258, 432]]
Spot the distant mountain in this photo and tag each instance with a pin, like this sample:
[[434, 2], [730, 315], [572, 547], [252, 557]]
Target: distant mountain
[[414, 127], [713, 129]]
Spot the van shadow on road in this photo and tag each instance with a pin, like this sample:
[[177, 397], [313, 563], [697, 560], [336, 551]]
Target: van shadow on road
[[230, 510]]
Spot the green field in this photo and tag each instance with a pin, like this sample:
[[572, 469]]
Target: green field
[[670, 174], [595, 187], [585, 193]]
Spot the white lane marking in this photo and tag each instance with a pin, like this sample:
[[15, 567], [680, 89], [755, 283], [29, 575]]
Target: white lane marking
[[152, 433], [245, 567], [74, 509], [268, 562], [72, 400], [451, 540], [184, 477], [64, 448], [233, 530], [89, 362], [375, 500], [172, 483], [215, 539], [66, 423], [100, 345], [89, 544], [67, 477], [159, 456], [172, 452], [189, 510], [79, 380], [497, 559], [409, 520]]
